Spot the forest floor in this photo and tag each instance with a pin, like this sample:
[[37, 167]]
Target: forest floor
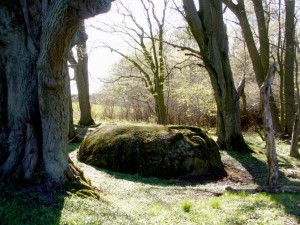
[[131, 199]]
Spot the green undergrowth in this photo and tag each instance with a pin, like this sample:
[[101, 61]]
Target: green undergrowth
[[130, 199]]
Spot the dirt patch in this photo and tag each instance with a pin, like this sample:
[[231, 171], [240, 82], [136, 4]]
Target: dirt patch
[[237, 174], [235, 170]]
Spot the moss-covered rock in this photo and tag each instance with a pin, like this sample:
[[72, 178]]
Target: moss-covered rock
[[162, 151]]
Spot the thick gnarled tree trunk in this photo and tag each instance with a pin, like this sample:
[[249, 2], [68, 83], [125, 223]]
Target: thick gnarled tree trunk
[[209, 31], [34, 43], [19, 79]]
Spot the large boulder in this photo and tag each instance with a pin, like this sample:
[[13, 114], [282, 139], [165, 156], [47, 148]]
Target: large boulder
[[161, 151]]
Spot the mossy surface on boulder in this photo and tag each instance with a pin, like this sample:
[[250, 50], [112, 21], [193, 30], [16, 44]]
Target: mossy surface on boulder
[[161, 151]]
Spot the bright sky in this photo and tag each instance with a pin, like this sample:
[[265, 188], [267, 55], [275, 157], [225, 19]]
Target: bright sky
[[101, 60]]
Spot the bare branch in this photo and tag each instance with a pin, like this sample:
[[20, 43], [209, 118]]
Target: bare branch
[[185, 48], [121, 77], [137, 65]]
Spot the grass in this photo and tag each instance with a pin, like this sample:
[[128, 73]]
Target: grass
[[101, 116], [186, 206], [131, 199], [215, 203], [97, 111]]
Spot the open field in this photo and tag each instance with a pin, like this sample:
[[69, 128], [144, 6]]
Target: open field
[[130, 199]]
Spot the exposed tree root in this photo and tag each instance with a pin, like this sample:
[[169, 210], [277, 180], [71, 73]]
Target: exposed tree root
[[79, 184]]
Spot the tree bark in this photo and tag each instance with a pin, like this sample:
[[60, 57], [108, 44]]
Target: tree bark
[[160, 106], [209, 31], [3, 93], [272, 179], [19, 79], [35, 47], [294, 152], [3, 110], [289, 86]]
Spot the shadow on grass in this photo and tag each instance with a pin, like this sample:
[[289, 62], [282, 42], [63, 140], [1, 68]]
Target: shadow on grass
[[30, 208], [163, 182], [258, 169], [137, 178]]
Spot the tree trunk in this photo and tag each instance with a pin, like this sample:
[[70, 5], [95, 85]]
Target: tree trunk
[[82, 82], [294, 152], [209, 31], [3, 93], [160, 106], [281, 66], [20, 88], [289, 87], [272, 179], [3, 110], [260, 58], [72, 136], [34, 85], [79, 37]]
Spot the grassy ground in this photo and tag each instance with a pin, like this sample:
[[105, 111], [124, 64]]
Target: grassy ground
[[130, 199]]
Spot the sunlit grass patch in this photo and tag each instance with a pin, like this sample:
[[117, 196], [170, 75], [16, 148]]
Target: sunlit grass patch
[[215, 203], [186, 206], [155, 209]]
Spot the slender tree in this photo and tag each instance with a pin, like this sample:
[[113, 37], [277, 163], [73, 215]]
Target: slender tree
[[294, 150], [258, 55], [78, 37], [72, 132], [280, 60], [289, 62], [209, 31], [35, 39], [82, 77]]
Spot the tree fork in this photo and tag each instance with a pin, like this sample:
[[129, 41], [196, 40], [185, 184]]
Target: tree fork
[[209, 31]]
